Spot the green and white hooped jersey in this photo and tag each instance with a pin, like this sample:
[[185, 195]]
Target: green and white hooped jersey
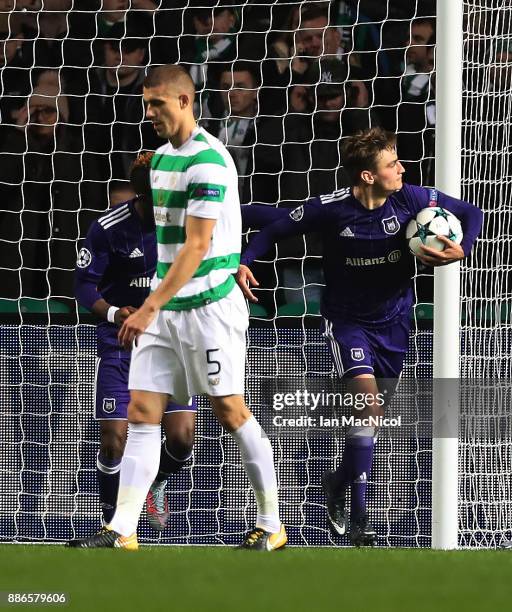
[[198, 179]]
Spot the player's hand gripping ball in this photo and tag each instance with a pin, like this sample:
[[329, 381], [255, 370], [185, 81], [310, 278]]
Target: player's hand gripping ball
[[430, 223]]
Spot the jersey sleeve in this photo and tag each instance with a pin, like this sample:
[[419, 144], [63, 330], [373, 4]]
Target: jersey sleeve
[[206, 186], [93, 259], [256, 216], [309, 217], [470, 216]]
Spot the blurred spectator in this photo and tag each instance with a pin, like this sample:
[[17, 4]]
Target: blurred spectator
[[419, 60], [115, 109], [16, 58], [315, 38], [488, 132], [110, 13], [298, 156], [416, 113], [49, 190], [298, 99], [500, 72], [213, 43], [54, 29], [237, 127], [304, 38]]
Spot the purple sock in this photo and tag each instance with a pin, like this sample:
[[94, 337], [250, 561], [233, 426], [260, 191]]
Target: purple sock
[[107, 473], [344, 475], [362, 458]]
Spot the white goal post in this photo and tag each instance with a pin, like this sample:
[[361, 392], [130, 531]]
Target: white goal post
[[446, 353]]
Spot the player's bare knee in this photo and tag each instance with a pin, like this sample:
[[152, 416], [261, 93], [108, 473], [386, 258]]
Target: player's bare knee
[[231, 411], [180, 439], [112, 444], [367, 401], [138, 412], [179, 430], [180, 444]]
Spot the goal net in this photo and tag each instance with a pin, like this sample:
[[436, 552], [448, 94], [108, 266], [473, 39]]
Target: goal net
[[284, 139]]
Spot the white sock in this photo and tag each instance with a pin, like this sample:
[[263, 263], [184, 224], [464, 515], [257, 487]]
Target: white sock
[[138, 470], [258, 462]]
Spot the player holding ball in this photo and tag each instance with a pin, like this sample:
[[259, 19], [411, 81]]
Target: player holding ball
[[368, 296]]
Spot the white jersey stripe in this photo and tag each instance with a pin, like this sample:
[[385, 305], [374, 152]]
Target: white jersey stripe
[[112, 215], [117, 220], [114, 212], [336, 353]]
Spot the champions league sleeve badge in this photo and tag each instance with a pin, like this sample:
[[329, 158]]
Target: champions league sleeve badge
[[84, 258]]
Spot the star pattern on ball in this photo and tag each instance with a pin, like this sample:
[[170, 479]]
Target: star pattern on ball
[[423, 232], [441, 212]]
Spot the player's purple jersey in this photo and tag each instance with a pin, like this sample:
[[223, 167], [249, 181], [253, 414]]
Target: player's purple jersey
[[367, 263], [116, 262]]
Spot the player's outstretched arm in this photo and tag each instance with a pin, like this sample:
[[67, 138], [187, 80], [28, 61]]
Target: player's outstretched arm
[[199, 234], [256, 216], [301, 220], [306, 218]]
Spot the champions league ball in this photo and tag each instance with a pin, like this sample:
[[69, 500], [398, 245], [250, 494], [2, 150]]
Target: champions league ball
[[429, 223]]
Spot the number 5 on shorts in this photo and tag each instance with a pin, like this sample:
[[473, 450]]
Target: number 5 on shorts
[[213, 362]]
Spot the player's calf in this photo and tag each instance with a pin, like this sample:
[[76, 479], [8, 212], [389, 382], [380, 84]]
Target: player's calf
[[179, 424], [258, 461], [108, 464]]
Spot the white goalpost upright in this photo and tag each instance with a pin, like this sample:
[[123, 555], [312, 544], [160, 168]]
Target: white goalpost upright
[[446, 351]]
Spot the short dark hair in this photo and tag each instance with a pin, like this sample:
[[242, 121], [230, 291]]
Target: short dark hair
[[140, 174], [242, 66], [361, 151], [170, 74], [309, 13], [118, 185], [129, 35], [425, 21]]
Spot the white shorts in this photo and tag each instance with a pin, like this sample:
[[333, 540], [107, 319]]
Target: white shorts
[[194, 352]]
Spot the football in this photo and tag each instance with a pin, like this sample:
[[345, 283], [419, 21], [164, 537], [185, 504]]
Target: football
[[430, 223]]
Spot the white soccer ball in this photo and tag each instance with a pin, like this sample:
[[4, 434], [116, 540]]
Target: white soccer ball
[[429, 223]]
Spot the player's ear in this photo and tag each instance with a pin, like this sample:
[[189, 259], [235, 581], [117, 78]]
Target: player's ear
[[184, 101], [367, 177]]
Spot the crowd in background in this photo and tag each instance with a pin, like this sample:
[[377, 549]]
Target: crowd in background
[[279, 83]]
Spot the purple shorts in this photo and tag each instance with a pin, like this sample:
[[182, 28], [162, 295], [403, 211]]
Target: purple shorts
[[356, 349], [112, 395]]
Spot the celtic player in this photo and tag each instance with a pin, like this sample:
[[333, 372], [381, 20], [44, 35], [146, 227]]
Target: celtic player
[[189, 335], [368, 294]]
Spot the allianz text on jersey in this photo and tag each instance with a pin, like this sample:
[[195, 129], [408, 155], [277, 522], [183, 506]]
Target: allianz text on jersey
[[392, 257]]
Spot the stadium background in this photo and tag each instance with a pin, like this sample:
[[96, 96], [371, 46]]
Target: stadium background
[[71, 123]]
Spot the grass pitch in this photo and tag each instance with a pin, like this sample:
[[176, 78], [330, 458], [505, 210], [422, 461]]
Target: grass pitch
[[193, 579]]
